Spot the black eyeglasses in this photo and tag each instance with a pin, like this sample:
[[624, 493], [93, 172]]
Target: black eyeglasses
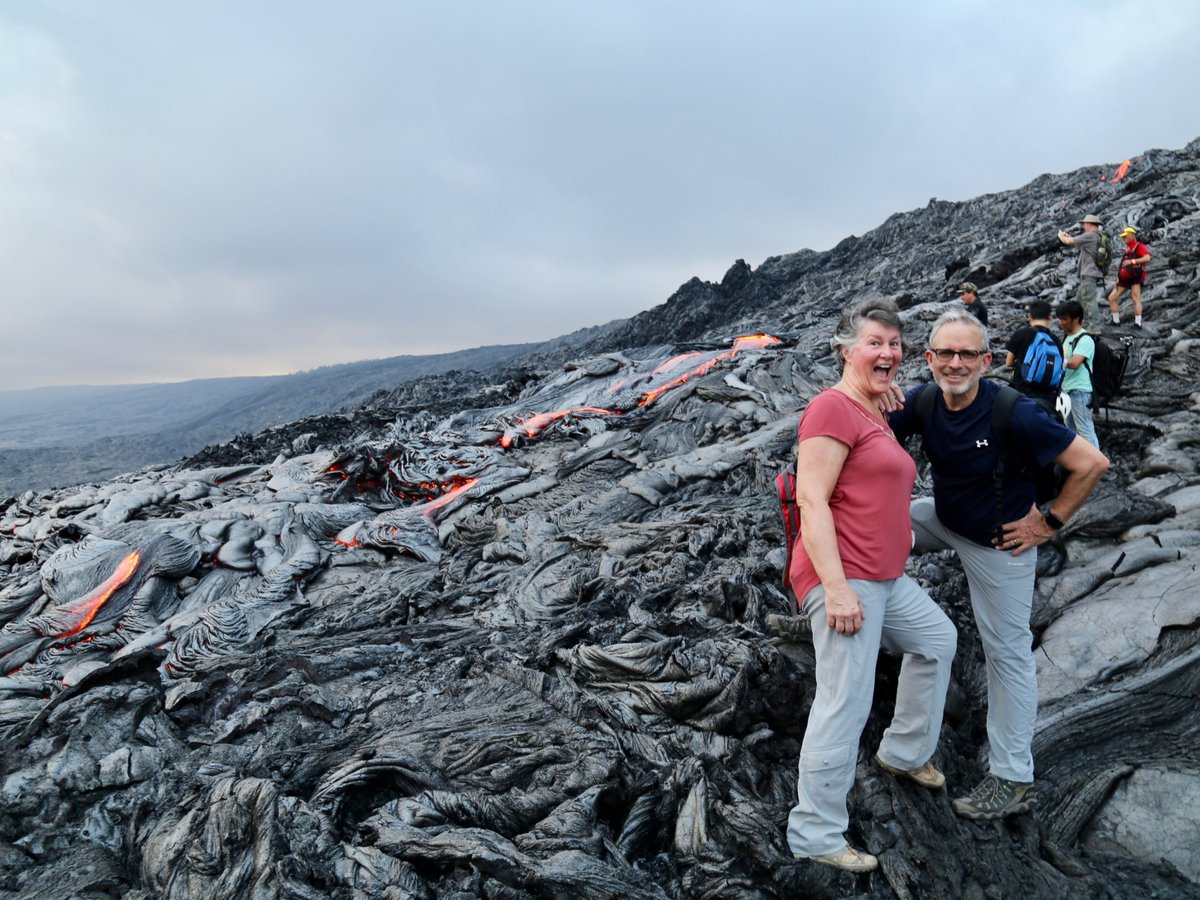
[[967, 356]]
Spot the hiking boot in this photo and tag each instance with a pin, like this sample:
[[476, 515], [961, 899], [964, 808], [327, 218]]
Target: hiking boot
[[847, 859], [995, 798], [927, 776]]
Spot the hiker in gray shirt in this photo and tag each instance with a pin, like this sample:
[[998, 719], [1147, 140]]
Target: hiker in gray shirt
[[1090, 276]]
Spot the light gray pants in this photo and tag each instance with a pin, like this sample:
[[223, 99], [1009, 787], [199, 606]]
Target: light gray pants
[[1001, 588], [901, 617]]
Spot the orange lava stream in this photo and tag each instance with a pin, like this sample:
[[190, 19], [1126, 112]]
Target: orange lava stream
[[87, 608], [427, 508], [534, 425], [754, 342], [673, 362], [1121, 172], [745, 342]]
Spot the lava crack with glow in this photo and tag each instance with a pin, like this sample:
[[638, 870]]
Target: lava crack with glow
[[660, 380]]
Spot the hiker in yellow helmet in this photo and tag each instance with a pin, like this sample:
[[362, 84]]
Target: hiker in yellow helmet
[[1131, 276]]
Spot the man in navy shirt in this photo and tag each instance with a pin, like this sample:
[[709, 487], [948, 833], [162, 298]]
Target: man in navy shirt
[[991, 543]]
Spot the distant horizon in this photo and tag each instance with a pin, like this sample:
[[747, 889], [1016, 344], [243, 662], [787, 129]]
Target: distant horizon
[[352, 362]]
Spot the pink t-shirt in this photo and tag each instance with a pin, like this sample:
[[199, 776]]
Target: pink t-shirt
[[869, 501]]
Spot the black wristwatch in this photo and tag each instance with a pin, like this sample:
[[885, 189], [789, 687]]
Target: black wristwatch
[[1052, 520]]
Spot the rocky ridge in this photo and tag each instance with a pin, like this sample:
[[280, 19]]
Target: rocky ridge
[[524, 635]]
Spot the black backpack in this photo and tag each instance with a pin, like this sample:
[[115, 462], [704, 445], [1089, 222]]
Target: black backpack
[[1047, 479], [1107, 370]]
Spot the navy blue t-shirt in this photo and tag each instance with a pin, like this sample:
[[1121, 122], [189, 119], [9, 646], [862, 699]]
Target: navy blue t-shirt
[[962, 456]]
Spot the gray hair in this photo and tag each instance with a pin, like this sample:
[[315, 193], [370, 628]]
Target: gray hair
[[959, 316], [875, 308]]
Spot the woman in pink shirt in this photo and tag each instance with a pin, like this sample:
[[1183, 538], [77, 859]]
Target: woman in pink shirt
[[853, 486]]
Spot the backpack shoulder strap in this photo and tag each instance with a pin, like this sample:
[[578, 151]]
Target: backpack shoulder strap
[[1001, 430], [1002, 414], [924, 405], [1072, 342], [1086, 364]]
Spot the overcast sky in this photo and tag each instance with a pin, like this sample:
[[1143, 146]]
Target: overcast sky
[[257, 187]]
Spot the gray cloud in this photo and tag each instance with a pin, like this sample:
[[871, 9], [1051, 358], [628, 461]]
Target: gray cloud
[[252, 188]]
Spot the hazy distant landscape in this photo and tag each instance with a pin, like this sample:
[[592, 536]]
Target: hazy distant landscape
[[56, 436]]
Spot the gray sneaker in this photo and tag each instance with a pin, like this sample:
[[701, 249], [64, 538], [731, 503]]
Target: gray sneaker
[[995, 798]]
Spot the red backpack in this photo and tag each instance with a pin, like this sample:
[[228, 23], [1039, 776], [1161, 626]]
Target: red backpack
[[785, 489]]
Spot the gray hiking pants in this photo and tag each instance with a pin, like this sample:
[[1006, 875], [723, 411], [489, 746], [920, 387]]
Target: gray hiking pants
[[899, 616], [1001, 588], [1090, 296]]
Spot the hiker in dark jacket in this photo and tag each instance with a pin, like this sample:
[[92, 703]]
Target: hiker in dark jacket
[[969, 295], [991, 542]]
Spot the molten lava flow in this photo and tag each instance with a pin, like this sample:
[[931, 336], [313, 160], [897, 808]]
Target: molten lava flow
[[392, 477], [674, 361], [426, 491], [534, 425], [447, 497], [87, 608], [1122, 171], [754, 342], [745, 342]]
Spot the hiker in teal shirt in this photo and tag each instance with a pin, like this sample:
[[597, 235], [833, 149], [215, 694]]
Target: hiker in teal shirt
[[1079, 348]]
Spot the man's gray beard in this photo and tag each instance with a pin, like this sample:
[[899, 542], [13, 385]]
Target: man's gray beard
[[957, 390]]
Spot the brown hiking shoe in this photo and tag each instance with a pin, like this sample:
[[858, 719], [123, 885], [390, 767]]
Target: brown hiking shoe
[[995, 798], [847, 859], [927, 776]]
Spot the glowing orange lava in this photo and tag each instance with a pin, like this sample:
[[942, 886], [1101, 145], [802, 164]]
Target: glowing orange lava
[[754, 341], [745, 342], [87, 608], [1122, 171], [534, 425], [427, 508], [674, 361]]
